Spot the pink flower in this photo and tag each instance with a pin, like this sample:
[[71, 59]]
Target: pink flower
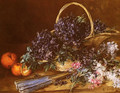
[[76, 65], [95, 83], [92, 80], [95, 80], [97, 72]]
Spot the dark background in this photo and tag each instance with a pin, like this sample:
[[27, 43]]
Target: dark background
[[21, 19]]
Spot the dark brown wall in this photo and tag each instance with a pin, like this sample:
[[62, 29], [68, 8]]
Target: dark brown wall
[[21, 19]]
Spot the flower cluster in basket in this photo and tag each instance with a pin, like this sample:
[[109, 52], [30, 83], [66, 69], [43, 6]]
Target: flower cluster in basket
[[67, 42]]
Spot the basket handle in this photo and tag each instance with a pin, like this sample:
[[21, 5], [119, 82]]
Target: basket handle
[[86, 11]]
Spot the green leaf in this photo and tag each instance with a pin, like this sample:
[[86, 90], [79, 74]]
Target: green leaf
[[78, 70], [117, 61], [24, 56], [28, 49], [46, 67], [64, 47], [52, 66], [80, 19], [23, 65], [29, 67], [40, 63], [72, 86], [59, 59], [62, 52], [62, 62], [72, 78], [22, 61]]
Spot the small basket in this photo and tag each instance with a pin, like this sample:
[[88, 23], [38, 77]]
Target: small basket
[[92, 39], [86, 11]]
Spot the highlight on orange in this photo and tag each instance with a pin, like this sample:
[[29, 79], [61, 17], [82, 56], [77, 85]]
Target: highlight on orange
[[25, 71], [16, 69]]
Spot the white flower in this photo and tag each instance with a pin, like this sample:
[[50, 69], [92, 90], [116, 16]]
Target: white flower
[[111, 76], [92, 76], [112, 47], [116, 83], [100, 69], [100, 66], [95, 80], [101, 72], [119, 72]]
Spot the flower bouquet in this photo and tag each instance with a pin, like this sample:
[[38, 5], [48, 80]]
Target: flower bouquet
[[79, 47]]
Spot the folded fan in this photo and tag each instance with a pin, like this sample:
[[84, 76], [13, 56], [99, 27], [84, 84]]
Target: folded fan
[[30, 85]]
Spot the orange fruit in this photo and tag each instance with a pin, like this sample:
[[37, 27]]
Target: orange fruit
[[16, 69], [25, 71], [8, 59]]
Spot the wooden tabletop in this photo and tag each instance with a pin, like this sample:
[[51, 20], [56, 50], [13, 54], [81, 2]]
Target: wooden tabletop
[[7, 84], [7, 79]]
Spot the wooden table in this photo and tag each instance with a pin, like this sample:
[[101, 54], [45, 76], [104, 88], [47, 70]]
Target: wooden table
[[7, 85], [7, 79]]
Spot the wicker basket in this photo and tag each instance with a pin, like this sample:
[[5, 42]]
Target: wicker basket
[[94, 40]]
